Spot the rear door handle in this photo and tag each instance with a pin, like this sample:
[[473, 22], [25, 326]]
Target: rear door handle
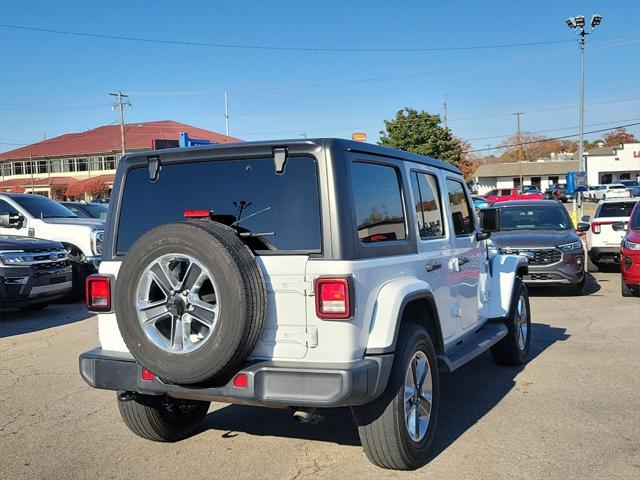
[[462, 261], [433, 266]]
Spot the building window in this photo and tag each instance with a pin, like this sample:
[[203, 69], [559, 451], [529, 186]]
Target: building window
[[109, 163], [95, 163], [516, 182], [69, 164], [606, 178], [41, 166], [28, 167], [535, 181], [18, 168], [81, 164], [554, 180], [6, 169], [625, 176], [55, 165]]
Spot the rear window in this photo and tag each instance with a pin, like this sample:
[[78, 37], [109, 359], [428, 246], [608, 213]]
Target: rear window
[[617, 187], [615, 209], [249, 194]]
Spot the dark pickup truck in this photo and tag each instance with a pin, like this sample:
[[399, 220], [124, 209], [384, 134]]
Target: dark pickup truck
[[33, 272]]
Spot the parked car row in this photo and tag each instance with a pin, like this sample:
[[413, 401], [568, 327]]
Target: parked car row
[[46, 249]]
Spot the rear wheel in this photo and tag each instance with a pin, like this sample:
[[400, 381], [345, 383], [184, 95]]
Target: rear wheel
[[514, 348], [398, 428], [578, 288], [591, 265], [160, 418]]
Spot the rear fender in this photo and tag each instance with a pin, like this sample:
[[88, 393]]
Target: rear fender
[[505, 269], [387, 314]]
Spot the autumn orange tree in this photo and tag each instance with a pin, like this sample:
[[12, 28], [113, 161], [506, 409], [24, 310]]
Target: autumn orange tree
[[618, 136], [530, 146]]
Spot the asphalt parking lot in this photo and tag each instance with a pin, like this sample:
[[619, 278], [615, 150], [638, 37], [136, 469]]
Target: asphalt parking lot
[[572, 412]]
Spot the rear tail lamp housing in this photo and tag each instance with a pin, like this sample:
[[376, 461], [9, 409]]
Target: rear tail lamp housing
[[98, 293], [333, 298]]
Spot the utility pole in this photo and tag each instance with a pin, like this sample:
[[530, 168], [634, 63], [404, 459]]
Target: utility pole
[[120, 105], [517, 114], [226, 113], [446, 112]]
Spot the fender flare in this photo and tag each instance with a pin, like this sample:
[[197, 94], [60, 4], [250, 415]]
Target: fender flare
[[391, 302], [505, 269]]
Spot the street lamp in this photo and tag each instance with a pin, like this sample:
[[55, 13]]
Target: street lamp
[[578, 24]]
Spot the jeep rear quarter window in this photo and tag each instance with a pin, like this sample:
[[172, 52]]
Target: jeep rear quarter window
[[248, 193], [428, 209], [378, 203]]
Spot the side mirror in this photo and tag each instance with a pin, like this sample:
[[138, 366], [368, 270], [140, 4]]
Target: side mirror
[[586, 218], [582, 227], [490, 220], [11, 220], [618, 226]]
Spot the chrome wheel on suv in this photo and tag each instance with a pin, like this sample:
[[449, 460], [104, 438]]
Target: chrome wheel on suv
[[522, 323], [177, 303], [418, 392]]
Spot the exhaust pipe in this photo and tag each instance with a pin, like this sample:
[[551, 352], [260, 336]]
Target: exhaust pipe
[[306, 415]]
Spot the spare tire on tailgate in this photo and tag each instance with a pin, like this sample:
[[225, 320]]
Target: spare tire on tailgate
[[190, 301]]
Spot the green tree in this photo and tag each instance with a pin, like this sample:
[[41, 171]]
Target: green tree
[[421, 133]]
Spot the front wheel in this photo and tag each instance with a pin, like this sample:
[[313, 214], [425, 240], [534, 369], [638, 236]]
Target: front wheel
[[625, 290], [161, 418], [514, 348], [398, 428]]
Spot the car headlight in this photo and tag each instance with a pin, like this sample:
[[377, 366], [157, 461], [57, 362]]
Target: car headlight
[[631, 245], [571, 246], [15, 258], [97, 236]]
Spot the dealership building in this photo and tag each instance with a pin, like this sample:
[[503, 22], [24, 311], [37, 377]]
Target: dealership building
[[71, 164], [603, 165]]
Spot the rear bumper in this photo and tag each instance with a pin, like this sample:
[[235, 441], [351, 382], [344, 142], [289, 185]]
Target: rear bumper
[[605, 254], [269, 383]]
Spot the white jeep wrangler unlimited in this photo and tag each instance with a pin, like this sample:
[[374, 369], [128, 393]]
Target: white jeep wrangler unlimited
[[301, 274]]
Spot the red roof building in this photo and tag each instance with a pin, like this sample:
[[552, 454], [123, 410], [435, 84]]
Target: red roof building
[[52, 166]]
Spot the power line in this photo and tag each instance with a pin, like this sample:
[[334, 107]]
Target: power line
[[556, 138], [280, 48]]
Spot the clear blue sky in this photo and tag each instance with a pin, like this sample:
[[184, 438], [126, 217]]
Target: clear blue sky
[[53, 84]]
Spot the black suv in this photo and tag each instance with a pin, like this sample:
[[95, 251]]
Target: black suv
[[33, 272]]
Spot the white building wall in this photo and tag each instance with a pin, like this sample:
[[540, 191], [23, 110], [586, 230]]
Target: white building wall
[[624, 163], [486, 184]]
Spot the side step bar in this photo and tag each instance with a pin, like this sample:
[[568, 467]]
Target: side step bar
[[474, 345]]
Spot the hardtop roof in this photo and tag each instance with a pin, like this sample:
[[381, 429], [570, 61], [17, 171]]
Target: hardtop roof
[[335, 143]]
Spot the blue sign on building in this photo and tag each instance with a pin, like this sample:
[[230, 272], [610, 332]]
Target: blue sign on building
[[185, 141]]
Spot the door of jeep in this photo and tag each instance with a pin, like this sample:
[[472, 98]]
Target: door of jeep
[[467, 259], [434, 248]]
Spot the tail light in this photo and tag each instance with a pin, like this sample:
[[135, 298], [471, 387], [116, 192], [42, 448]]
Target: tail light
[[332, 298], [595, 226], [98, 294]]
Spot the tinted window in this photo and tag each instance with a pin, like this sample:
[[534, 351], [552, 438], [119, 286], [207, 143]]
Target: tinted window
[[635, 220], [615, 209], [534, 217], [492, 193], [245, 193], [78, 211], [97, 210], [43, 207], [378, 203], [460, 209], [505, 192], [6, 208], [428, 208]]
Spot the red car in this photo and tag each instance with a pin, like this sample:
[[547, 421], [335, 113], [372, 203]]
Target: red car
[[506, 194], [630, 254]]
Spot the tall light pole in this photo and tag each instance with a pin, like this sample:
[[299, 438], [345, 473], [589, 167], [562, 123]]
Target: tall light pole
[[578, 24]]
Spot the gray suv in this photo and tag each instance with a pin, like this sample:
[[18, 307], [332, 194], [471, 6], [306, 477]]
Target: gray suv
[[542, 231]]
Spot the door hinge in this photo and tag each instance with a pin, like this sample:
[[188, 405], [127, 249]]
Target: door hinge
[[309, 285]]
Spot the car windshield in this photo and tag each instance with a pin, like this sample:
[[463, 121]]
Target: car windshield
[[43, 207], [97, 210], [534, 217], [615, 209]]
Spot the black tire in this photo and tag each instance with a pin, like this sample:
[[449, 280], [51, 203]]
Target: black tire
[[625, 289], [591, 265], [160, 418], [381, 423], [240, 286], [509, 350]]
